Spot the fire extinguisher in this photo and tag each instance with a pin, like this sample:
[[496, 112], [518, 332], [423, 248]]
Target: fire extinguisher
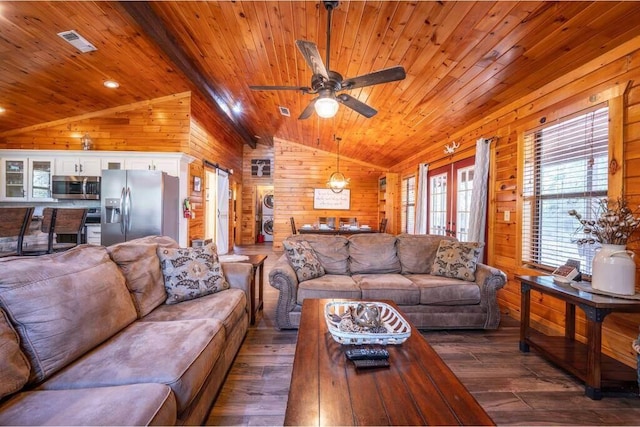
[[186, 209]]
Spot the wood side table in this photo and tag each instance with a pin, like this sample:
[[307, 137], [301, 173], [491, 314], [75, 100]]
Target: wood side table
[[257, 262], [599, 372]]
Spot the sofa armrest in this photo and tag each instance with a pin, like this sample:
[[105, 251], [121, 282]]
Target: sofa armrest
[[239, 275], [283, 277], [489, 280]]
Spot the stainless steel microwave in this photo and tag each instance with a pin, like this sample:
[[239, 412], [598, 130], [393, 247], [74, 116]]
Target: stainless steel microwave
[[76, 187]]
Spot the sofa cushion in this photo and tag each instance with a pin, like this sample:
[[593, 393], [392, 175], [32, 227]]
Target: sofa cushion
[[373, 253], [328, 286], [392, 286], [303, 260], [438, 290], [228, 307], [129, 405], [63, 305], [191, 272], [417, 251], [14, 372], [179, 354], [140, 265], [330, 250], [457, 260]]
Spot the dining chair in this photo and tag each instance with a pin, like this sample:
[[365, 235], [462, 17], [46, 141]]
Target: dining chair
[[14, 222], [383, 226], [56, 222], [293, 226], [348, 222]]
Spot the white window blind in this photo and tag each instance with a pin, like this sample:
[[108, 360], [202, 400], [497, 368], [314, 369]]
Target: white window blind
[[565, 167], [408, 197]]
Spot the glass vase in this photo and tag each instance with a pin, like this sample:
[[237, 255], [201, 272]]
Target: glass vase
[[614, 270]]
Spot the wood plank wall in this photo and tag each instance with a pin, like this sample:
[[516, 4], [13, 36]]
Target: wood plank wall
[[209, 140], [176, 123], [248, 228], [600, 80], [160, 124], [300, 169]]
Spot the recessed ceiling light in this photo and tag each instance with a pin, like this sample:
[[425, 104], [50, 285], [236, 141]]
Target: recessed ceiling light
[[111, 84], [237, 108], [2, 110]]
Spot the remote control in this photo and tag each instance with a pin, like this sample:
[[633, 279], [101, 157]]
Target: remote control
[[367, 354], [371, 363]]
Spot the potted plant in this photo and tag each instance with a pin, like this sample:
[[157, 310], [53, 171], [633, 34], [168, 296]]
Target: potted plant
[[613, 223]]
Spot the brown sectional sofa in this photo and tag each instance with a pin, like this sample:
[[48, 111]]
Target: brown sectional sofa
[[386, 267], [86, 339]]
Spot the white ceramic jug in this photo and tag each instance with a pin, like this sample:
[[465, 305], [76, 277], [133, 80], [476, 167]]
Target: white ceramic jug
[[613, 270]]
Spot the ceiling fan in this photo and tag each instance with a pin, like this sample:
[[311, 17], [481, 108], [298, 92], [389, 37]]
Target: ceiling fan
[[327, 83]]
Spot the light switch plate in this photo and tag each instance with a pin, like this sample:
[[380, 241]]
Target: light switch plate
[[507, 215]]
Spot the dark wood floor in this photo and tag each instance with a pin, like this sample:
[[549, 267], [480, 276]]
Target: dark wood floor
[[513, 387]]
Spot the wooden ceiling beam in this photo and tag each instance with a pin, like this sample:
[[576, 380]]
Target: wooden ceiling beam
[[144, 15]]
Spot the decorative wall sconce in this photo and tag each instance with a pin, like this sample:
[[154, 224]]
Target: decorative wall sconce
[[87, 142], [450, 149]]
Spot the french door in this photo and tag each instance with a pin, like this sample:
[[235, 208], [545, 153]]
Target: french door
[[450, 199]]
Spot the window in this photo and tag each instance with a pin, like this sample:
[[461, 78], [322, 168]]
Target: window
[[408, 197], [450, 199], [565, 167]]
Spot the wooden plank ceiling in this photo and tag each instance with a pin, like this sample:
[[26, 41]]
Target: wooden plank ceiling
[[463, 60]]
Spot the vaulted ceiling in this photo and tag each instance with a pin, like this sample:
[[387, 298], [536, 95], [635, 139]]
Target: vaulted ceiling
[[463, 60]]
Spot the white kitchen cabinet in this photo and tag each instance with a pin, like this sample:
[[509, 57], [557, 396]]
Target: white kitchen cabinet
[[78, 166], [26, 179], [93, 234], [40, 179], [14, 176], [112, 163], [170, 166]]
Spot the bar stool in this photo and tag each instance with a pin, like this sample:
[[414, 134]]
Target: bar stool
[[57, 221], [14, 222]]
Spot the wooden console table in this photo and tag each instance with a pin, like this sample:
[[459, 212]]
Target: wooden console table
[[599, 372]]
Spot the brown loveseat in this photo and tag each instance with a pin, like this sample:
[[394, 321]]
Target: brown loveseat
[[385, 267], [87, 339]]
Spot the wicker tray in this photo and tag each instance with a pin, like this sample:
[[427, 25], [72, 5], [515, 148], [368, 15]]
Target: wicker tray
[[391, 319]]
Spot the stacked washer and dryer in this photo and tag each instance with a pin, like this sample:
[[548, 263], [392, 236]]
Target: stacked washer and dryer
[[266, 214]]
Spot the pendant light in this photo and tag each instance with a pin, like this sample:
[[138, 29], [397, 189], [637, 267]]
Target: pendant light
[[337, 181]]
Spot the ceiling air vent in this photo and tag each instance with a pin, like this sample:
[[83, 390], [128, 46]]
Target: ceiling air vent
[[77, 41], [284, 111]]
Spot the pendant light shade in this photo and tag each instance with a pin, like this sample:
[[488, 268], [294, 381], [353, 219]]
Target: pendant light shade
[[337, 181]]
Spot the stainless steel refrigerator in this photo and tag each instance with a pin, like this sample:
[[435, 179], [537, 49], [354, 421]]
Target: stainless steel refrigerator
[[138, 203]]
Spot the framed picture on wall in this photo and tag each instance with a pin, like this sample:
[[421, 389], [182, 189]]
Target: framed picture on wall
[[260, 168], [197, 183], [324, 198]]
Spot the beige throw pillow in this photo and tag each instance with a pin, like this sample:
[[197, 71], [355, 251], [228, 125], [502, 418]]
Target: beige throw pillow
[[457, 260], [191, 273], [303, 260]]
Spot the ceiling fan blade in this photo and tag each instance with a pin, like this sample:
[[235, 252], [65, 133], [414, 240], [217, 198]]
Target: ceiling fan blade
[[382, 76], [310, 52], [304, 89], [308, 111], [357, 106]]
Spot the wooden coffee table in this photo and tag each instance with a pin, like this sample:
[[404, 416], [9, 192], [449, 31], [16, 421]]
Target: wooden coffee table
[[418, 388]]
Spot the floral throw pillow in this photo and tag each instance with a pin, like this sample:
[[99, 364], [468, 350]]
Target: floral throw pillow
[[457, 260], [191, 272], [303, 260]]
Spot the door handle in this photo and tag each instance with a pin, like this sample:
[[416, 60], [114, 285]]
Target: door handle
[[122, 215]]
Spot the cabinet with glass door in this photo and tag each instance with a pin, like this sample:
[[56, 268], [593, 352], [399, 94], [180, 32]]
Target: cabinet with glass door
[[14, 179]]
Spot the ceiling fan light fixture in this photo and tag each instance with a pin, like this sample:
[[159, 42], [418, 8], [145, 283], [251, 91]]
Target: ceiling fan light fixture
[[326, 107]]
